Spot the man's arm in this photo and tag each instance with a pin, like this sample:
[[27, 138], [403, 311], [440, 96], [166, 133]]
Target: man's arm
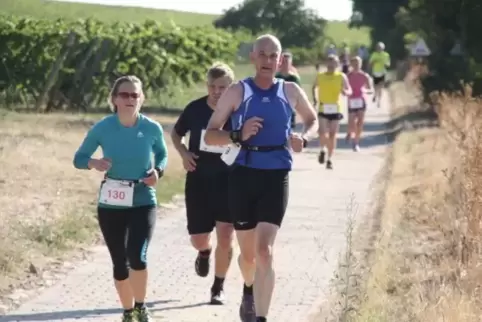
[[304, 109], [179, 131], [215, 135], [347, 91]]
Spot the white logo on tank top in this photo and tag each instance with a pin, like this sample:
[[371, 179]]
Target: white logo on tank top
[[265, 100], [140, 135]]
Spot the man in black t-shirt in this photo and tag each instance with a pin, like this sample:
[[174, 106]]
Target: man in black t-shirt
[[206, 186], [288, 73]]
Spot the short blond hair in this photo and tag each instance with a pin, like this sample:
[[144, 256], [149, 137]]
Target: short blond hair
[[219, 70], [117, 84]]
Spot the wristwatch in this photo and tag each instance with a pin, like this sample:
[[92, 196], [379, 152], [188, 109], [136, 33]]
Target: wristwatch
[[305, 142], [235, 136], [160, 172]]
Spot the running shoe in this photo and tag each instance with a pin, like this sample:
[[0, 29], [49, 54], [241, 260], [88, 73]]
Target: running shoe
[[142, 315], [329, 164], [128, 317], [321, 157], [202, 265], [356, 148], [217, 296], [246, 309]]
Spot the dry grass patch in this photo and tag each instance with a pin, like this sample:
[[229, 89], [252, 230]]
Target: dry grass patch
[[426, 266], [47, 206]]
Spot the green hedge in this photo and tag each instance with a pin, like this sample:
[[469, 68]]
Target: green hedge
[[60, 64]]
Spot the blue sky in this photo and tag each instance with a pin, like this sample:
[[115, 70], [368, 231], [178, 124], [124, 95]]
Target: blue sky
[[328, 9]]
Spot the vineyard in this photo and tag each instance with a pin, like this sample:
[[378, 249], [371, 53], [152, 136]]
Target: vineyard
[[49, 65]]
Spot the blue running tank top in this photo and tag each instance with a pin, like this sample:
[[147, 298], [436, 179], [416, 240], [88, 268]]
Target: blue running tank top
[[273, 107]]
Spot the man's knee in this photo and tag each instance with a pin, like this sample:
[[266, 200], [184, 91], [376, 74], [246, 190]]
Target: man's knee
[[224, 233], [265, 237], [247, 246], [200, 241], [264, 255]]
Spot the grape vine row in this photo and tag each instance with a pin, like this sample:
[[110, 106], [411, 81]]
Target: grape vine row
[[71, 65]]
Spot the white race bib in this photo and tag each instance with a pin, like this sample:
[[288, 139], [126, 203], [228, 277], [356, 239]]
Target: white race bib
[[210, 148], [117, 193], [378, 74], [330, 109], [356, 103], [231, 153]]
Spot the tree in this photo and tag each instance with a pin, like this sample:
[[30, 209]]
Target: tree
[[381, 17], [295, 25]]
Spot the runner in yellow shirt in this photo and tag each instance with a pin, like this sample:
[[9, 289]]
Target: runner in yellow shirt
[[327, 88], [379, 63]]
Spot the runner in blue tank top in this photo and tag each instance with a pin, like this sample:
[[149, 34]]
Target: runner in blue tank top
[[127, 199], [261, 144]]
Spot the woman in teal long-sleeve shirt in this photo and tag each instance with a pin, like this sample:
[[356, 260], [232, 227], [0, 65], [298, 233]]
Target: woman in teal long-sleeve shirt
[[127, 197]]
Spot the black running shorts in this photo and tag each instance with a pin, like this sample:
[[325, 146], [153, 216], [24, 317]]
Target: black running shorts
[[257, 195], [206, 198]]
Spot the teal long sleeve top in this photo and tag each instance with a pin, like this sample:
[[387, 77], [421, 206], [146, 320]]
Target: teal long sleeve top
[[131, 150]]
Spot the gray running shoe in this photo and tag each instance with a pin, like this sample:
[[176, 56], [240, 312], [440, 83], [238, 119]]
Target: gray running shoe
[[246, 309]]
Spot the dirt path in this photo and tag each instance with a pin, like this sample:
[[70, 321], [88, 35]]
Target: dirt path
[[307, 251]]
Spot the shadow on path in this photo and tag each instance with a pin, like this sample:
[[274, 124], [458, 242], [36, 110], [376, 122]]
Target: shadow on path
[[80, 314]]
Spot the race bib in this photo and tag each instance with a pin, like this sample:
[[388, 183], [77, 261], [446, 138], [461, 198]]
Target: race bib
[[378, 74], [210, 148], [117, 193], [330, 108], [230, 154], [356, 103]]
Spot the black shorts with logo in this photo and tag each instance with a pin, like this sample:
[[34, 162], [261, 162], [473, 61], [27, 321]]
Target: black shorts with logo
[[378, 80], [331, 117], [257, 195], [206, 197]]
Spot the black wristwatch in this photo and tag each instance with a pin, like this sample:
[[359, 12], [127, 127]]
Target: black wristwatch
[[159, 171], [305, 143], [235, 136]]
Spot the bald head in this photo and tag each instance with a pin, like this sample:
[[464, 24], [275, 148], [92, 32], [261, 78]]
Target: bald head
[[266, 56], [267, 43]]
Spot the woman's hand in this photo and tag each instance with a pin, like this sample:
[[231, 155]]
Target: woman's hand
[[152, 179], [100, 165]]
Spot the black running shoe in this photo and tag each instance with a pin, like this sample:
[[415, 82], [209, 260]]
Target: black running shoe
[[329, 164], [246, 309], [321, 157], [217, 296], [202, 265]]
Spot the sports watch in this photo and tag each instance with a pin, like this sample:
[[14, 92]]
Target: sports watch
[[235, 136]]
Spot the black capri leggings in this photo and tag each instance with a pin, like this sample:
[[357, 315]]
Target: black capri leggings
[[127, 233]]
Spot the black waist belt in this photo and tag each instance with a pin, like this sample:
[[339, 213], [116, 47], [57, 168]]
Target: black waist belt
[[263, 148]]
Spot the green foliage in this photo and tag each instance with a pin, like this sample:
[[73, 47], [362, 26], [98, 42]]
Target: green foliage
[[43, 9], [163, 56], [294, 24], [381, 17]]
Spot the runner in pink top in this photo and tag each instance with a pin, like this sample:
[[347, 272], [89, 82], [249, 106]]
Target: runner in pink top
[[361, 83]]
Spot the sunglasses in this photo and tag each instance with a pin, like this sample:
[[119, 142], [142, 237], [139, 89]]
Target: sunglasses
[[126, 95]]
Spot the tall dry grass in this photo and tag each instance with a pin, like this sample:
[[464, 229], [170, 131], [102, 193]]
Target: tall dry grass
[[426, 266], [47, 207]]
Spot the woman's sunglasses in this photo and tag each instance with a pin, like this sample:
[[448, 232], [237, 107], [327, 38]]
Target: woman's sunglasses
[[126, 95]]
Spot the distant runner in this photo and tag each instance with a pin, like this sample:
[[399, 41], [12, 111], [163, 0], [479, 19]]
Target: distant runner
[[379, 63], [345, 60], [365, 56], [206, 185], [360, 83], [289, 74], [327, 88]]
